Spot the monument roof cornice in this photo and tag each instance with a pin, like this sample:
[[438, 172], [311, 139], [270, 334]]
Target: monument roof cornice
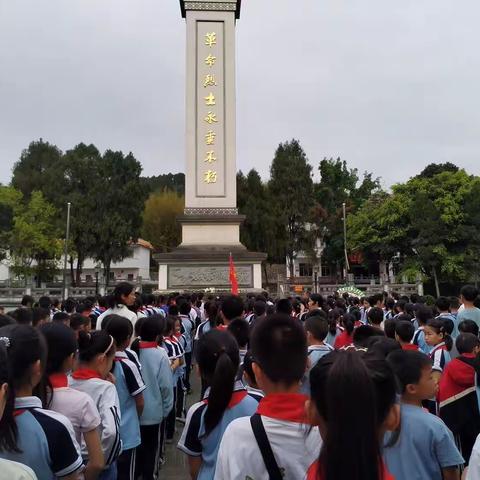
[[211, 5]]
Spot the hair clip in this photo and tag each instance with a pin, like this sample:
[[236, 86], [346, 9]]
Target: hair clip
[[6, 341]]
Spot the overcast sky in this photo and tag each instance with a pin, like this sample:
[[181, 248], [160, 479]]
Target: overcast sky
[[389, 86]]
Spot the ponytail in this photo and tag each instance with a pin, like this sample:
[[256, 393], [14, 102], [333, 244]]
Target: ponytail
[[151, 329], [218, 360], [348, 322], [21, 347], [340, 381]]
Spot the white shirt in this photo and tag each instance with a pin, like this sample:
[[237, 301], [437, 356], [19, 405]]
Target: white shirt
[[121, 310], [295, 445], [473, 472], [15, 471]]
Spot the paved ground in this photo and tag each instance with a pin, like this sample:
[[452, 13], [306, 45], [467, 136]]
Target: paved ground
[[176, 466]]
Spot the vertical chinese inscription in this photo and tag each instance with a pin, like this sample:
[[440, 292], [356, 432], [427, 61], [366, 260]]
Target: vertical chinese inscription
[[210, 163]]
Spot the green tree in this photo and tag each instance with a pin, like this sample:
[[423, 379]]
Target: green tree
[[160, 226], [35, 246], [291, 192], [10, 201], [119, 200], [173, 182], [35, 171]]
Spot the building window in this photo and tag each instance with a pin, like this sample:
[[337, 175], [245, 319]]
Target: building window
[[326, 272], [88, 278], [306, 269], [112, 275], [130, 277]]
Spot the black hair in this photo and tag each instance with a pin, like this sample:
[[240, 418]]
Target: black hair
[[375, 315], [122, 289], [382, 345], [247, 368], [92, 344], [232, 307], [405, 330], [85, 306], [38, 314], [469, 293], [284, 306], [279, 347], [390, 303], [138, 326], [404, 317], [339, 380], [348, 322], [443, 303], [318, 326], [60, 317], [374, 299], [69, 305], [61, 343], [363, 333], [389, 328], [24, 347], [169, 325], [454, 303], [407, 366], [440, 326], [259, 308], [218, 360], [120, 328], [468, 326], [23, 316], [6, 320], [77, 321], [184, 307], [45, 302], [173, 310], [424, 314], [211, 312], [240, 329], [151, 330], [318, 299], [27, 301], [466, 342]]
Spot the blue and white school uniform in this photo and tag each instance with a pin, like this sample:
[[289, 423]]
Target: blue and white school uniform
[[440, 357], [129, 384], [419, 340], [315, 353], [202, 329], [46, 440], [195, 443]]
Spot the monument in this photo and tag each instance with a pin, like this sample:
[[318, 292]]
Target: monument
[[211, 223]]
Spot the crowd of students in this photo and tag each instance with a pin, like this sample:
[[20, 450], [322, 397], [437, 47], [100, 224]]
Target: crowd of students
[[305, 387]]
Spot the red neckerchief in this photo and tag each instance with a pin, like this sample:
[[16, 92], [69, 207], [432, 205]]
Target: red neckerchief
[[173, 338], [237, 397], [222, 328], [284, 406], [85, 374], [410, 347], [58, 380], [17, 413], [148, 345]]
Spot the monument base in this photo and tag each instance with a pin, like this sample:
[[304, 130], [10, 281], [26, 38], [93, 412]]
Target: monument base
[[201, 268]]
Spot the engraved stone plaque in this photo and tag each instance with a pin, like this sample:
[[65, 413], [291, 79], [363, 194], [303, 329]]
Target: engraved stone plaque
[[208, 276]]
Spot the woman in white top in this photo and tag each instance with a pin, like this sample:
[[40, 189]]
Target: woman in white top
[[123, 297]]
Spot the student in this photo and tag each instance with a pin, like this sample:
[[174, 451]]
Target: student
[[232, 307], [62, 317], [130, 387], [175, 353], [210, 322], [9, 470], [457, 394], [468, 326], [188, 329], [404, 332], [443, 307], [315, 302], [316, 328], [122, 298], [42, 439], [340, 380], [40, 316], [439, 339], [375, 317], [334, 330], [96, 354], [79, 322], [240, 330], [23, 316], [158, 396], [249, 378], [279, 350], [259, 312], [347, 321], [423, 315], [77, 406], [224, 401], [422, 447], [363, 334], [468, 295]]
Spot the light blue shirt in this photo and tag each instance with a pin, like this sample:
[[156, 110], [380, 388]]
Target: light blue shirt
[[419, 341], [469, 314], [315, 353], [449, 316], [424, 447], [157, 375]]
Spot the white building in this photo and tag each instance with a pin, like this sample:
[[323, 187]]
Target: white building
[[132, 268]]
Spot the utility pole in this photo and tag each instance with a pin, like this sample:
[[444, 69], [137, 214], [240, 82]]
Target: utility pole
[[67, 236], [347, 265]]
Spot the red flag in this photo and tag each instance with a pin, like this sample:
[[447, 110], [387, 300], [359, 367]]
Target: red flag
[[233, 277]]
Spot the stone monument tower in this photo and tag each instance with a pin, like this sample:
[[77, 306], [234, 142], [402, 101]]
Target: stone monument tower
[[211, 223]]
